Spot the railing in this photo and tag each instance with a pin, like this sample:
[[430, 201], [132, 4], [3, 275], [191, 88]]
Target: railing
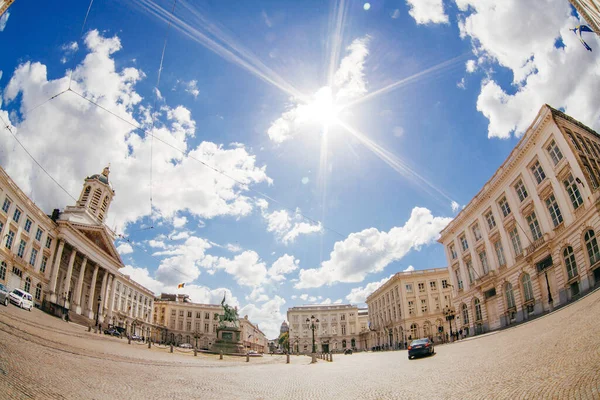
[[535, 245]]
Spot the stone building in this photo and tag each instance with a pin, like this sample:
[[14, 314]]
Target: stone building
[[4, 4], [409, 306], [590, 11], [338, 328], [527, 242], [68, 261], [252, 337]]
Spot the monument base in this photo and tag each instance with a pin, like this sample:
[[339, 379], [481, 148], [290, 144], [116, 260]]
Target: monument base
[[228, 341]]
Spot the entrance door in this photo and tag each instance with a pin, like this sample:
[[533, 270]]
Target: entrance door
[[492, 312], [325, 347]]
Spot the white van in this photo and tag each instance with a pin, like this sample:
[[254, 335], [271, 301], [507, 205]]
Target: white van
[[21, 298]]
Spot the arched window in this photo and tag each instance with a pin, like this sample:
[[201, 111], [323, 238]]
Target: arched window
[[85, 195], [27, 284], [38, 291], [510, 296], [95, 199], [414, 331], [465, 313], [527, 288], [570, 263], [478, 315], [344, 344], [353, 343], [592, 247], [2, 270]]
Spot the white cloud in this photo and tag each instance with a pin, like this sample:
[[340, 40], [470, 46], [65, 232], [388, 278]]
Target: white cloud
[[348, 84], [461, 84], [266, 19], [268, 316], [294, 297], [304, 180], [257, 295], [70, 127], [471, 66], [191, 87], [142, 276], [426, 11], [410, 268], [178, 222], [395, 14], [246, 268], [182, 263], [338, 301], [286, 227], [370, 250], [158, 244], [180, 235], [304, 296], [283, 266], [359, 295], [398, 131], [4, 20], [455, 206], [538, 66], [125, 248], [234, 248]]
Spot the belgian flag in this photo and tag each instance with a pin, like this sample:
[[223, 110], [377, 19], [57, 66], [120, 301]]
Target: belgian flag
[[180, 286]]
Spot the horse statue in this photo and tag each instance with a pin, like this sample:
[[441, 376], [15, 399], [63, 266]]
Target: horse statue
[[229, 317]]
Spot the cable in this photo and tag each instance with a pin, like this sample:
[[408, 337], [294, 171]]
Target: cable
[[7, 127], [80, 35]]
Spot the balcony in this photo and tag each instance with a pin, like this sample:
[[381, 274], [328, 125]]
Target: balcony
[[534, 246]]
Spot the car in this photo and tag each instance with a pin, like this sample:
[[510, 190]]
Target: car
[[348, 351], [136, 337], [185, 346], [112, 332], [4, 295], [253, 353], [21, 298], [420, 347]]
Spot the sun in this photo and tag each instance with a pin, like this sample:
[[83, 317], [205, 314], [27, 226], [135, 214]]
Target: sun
[[323, 109]]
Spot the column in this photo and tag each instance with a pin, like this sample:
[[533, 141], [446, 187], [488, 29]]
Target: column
[[79, 292], [55, 268], [111, 303], [92, 289], [102, 296], [105, 299], [69, 274]]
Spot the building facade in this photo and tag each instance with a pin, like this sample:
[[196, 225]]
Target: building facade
[[590, 11], [527, 241], [338, 328], [68, 261], [4, 4], [252, 337], [409, 306]]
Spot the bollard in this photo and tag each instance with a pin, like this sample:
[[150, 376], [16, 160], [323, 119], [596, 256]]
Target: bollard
[[331, 357], [171, 347], [128, 339], [314, 358], [149, 344], [247, 357], [89, 328], [287, 361], [195, 352], [221, 355]]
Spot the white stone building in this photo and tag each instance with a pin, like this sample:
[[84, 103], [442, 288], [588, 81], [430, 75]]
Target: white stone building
[[527, 242], [590, 11], [252, 337]]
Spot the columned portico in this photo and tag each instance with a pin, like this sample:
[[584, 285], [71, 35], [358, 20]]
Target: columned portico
[[55, 269], [69, 275], [111, 303], [79, 292], [103, 296], [92, 290]]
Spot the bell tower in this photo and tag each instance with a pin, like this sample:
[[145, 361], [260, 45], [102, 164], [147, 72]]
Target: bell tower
[[97, 194]]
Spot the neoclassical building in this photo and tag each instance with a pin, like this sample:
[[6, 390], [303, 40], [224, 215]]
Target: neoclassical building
[[409, 306], [252, 337], [338, 328], [527, 241], [68, 260]]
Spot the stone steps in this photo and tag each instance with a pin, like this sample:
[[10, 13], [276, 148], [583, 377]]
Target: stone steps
[[80, 319]]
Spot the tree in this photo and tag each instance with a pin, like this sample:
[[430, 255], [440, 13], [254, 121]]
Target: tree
[[284, 340]]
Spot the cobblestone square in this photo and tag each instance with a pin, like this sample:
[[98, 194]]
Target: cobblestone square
[[556, 356]]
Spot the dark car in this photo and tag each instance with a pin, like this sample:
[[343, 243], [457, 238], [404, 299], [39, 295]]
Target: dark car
[[112, 332], [348, 351], [420, 347]]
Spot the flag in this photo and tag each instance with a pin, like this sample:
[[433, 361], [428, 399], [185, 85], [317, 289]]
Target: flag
[[579, 29], [180, 286]]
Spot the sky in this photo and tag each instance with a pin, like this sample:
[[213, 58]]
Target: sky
[[282, 153]]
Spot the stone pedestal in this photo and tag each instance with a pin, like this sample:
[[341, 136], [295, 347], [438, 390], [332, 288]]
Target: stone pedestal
[[228, 341]]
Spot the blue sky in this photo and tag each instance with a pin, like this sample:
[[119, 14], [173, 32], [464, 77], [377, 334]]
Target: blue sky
[[377, 124]]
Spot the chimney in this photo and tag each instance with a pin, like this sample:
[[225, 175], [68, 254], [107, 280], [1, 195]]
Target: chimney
[[55, 214]]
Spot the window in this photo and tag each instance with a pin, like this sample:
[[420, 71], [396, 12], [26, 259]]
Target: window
[[504, 206], [464, 243], [409, 287], [476, 232], [554, 211], [592, 247], [423, 306], [414, 330], [554, 152], [570, 134], [534, 226], [27, 284], [538, 172], [411, 307], [421, 287], [569, 257], [2, 270], [198, 314], [206, 315], [17, 272], [48, 242], [432, 285], [521, 191], [21, 250], [173, 312], [1, 226], [38, 234], [33, 256], [516, 241], [444, 284], [6, 205], [9, 239], [17, 215], [458, 280], [180, 325], [489, 217], [591, 176], [478, 316], [510, 296], [471, 271], [500, 253], [181, 313], [188, 326], [527, 288], [343, 330], [484, 262], [28, 224], [452, 251], [343, 317], [38, 291], [214, 328], [573, 191]]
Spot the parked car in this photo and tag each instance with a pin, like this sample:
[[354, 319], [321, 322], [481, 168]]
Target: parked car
[[253, 353], [185, 346], [4, 295], [112, 332], [420, 347], [348, 351], [136, 337], [22, 299]]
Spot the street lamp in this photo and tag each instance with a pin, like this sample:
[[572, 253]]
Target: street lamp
[[98, 312], [312, 322], [449, 313], [548, 285]]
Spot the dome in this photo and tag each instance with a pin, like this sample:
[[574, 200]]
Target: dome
[[101, 178]]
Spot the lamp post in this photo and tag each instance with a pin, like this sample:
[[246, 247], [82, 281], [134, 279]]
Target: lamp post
[[98, 311], [312, 322], [548, 287], [449, 313]]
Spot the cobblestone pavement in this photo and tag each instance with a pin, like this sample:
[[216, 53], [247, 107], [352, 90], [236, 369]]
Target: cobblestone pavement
[[556, 356]]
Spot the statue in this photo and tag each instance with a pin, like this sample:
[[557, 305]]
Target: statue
[[230, 316], [106, 171]]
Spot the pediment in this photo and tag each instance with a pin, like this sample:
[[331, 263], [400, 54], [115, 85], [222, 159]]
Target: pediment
[[100, 239]]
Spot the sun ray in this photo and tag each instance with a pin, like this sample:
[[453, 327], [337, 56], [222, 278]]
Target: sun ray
[[397, 164], [336, 35], [322, 180], [410, 79]]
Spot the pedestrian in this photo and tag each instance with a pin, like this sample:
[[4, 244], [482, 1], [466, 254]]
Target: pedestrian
[[461, 333], [405, 345]]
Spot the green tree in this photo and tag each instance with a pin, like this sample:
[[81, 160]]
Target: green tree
[[284, 340]]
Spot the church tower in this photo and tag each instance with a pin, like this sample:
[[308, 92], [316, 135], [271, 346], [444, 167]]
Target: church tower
[[97, 194]]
